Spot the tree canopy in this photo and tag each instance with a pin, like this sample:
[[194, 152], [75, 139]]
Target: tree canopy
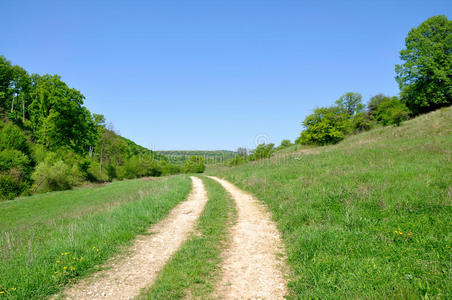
[[425, 77]]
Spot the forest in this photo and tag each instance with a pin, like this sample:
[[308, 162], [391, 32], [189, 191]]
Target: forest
[[50, 141]]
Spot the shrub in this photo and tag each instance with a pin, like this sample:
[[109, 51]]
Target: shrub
[[361, 122], [11, 137], [285, 144], [10, 187], [168, 169], [327, 125], [194, 165], [15, 171], [236, 160], [55, 176], [262, 151], [392, 112]]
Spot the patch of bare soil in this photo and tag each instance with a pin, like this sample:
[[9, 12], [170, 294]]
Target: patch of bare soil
[[124, 277], [253, 267]]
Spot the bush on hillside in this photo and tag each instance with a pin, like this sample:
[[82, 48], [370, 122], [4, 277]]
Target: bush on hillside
[[14, 173], [236, 160], [12, 137], [284, 144], [327, 125], [362, 121], [55, 176], [194, 165], [392, 112], [262, 151]]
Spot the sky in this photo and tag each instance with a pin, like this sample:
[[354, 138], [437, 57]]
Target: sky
[[190, 75]]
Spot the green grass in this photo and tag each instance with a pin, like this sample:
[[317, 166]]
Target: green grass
[[48, 240], [193, 270], [370, 217]]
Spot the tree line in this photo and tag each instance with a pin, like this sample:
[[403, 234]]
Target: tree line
[[50, 141], [425, 82]]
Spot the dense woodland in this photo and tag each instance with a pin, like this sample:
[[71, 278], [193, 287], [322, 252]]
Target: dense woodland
[[50, 141], [425, 81]]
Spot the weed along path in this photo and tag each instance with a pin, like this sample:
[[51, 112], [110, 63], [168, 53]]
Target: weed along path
[[124, 277], [252, 268]]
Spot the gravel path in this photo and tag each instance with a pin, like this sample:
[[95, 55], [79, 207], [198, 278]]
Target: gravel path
[[252, 268], [124, 277]]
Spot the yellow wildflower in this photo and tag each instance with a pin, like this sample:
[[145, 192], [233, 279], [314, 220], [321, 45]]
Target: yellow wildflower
[[13, 289], [72, 268], [65, 268]]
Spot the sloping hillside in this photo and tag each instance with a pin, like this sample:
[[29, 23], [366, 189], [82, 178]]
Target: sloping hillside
[[367, 218]]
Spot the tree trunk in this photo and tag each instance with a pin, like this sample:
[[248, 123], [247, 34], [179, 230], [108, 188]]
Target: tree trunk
[[12, 104], [23, 108], [101, 157]]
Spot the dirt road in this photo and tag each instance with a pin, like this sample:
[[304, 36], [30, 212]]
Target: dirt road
[[124, 277]]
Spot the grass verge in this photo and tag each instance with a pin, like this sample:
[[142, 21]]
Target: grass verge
[[48, 240], [368, 218], [194, 268]]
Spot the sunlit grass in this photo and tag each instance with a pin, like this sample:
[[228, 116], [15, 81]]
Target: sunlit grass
[[48, 240], [370, 217]]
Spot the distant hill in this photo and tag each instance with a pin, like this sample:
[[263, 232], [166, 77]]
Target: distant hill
[[210, 156]]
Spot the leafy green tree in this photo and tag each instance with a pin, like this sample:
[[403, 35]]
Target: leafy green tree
[[351, 103], [361, 121], [375, 102], [392, 112], [194, 165], [284, 144], [327, 125], [58, 117], [425, 77], [262, 151]]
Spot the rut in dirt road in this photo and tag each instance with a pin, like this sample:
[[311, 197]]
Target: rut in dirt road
[[251, 266], [128, 275]]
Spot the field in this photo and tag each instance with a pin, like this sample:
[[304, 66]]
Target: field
[[367, 218], [48, 240]]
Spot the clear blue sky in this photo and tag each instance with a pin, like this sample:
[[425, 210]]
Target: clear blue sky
[[212, 74]]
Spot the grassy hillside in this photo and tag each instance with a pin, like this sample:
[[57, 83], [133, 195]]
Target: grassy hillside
[[211, 157], [370, 217], [47, 240]]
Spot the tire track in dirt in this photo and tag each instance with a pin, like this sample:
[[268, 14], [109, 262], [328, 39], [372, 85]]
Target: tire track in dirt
[[252, 268], [126, 276]]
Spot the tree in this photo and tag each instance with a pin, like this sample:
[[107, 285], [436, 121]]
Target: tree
[[327, 125], [425, 77], [194, 165], [375, 102], [262, 151], [392, 112], [285, 144], [351, 103], [242, 152]]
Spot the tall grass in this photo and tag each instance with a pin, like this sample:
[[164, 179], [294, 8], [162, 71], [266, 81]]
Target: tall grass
[[194, 268], [48, 240], [368, 218]]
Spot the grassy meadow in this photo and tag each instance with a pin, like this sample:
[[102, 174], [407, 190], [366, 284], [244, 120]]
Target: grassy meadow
[[48, 240], [194, 269], [370, 217]]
